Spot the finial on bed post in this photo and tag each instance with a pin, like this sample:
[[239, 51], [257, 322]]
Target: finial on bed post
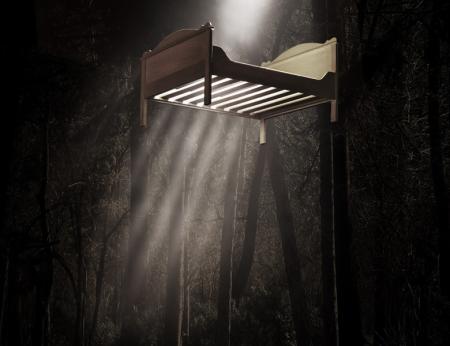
[[208, 25]]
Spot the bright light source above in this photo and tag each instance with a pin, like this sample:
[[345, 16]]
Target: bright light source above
[[241, 18]]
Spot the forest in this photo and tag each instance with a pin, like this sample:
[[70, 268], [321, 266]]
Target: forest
[[190, 232]]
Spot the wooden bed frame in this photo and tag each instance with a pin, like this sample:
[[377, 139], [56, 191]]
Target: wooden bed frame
[[185, 69]]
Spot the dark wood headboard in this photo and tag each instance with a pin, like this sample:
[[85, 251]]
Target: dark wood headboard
[[181, 57]]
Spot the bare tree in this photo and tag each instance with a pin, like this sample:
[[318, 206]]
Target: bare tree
[[177, 270], [175, 278], [432, 56], [226, 249], [138, 229], [241, 275], [327, 237], [292, 263], [99, 280]]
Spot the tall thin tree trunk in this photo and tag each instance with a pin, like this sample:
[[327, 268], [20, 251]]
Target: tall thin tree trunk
[[174, 295], [138, 231], [175, 265], [349, 316], [226, 250], [12, 330], [243, 272], [292, 263], [79, 339], [433, 51], [320, 33], [348, 306], [99, 280], [186, 295], [45, 279], [327, 237], [380, 299], [5, 290], [185, 329]]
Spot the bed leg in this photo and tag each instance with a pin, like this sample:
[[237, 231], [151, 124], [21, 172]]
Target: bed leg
[[333, 111], [262, 131], [143, 115]]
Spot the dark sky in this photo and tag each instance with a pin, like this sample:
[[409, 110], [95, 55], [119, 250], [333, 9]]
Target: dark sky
[[117, 28]]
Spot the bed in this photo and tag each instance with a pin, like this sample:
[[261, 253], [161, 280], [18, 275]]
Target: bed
[[186, 69]]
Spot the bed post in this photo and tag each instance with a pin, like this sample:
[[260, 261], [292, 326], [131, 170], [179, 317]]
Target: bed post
[[333, 102], [208, 65]]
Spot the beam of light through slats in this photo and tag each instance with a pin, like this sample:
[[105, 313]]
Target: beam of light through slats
[[207, 157], [195, 127], [208, 137], [163, 124], [154, 129], [283, 104]]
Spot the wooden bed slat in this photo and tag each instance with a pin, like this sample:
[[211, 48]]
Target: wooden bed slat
[[283, 104], [223, 88], [273, 94], [241, 98], [182, 89], [245, 89], [274, 101], [199, 92]]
